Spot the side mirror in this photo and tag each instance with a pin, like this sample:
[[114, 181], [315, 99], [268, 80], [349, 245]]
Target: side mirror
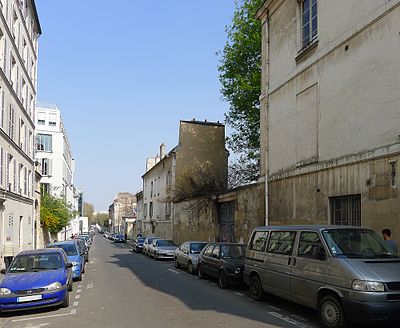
[[215, 256], [69, 265], [3, 271]]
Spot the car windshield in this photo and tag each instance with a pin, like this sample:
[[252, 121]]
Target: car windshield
[[69, 249], [196, 248], [140, 240], [166, 243], [233, 251], [36, 262], [119, 236], [356, 243]]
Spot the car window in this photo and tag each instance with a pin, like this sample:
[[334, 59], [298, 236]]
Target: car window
[[281, 242], [233, 251], [310, 245], [36, 262], [209, 250], [215, 252], [196, 248], [258, 241]]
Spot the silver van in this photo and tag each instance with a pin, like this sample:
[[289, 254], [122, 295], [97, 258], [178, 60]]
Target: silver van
[[347, 273]]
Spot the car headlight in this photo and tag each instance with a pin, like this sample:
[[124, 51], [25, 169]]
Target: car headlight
[[5, 291], [368, 286], [237, 271], [75, 263], [54, 286]]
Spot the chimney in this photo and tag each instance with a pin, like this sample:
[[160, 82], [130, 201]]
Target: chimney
[[162, 151]]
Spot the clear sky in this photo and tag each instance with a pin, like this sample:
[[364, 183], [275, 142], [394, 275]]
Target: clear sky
[[124, 73]]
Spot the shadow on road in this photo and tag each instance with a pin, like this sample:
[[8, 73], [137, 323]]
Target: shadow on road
[[201, 296]]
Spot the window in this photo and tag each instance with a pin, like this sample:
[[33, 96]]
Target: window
[[151, 189], [215, 252], [52, 119], [281, 242], [45, 166], [209, 250], [258, 241], [11, 122], [44, 142], [151, 210], [1, 166], [45, 188], [41, 118], [310, 245], [308, 21], [2, 108], [346, 210], [145, 210]]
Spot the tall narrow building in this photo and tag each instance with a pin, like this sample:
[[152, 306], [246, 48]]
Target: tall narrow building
[[19, 33]]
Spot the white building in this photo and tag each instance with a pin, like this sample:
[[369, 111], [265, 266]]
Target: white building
[[330, 117], [19, 32], [54, 153]]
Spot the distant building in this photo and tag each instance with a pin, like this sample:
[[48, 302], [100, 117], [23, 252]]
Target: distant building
[[200, 157], [330, 118], [122, 211], [19, 32], [54, 153]]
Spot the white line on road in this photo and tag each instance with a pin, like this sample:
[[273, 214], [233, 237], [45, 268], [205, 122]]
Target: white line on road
[[274, 308], [78, 290], [77, 297], [239, 294], [45, 316], [288, 319], [174, 271], [75, 304], [91, 262], [90, 285], [79, 286]]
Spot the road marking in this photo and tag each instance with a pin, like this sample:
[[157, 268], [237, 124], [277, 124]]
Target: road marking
[[91, 262], [239, 294], [78, 290], [75, 304], [174, 271], [77, 297], [90, 285], [274, 308], [45, 316], [288, 319]]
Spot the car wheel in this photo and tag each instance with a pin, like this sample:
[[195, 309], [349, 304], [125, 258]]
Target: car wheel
[[70, 286], [155, 256], [200, 272], [331, 312], [255, 289], [65, 302], [222, 280], [177, 265], [84, 268], [190, 268]]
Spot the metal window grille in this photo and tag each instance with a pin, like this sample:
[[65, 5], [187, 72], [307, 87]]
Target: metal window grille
[[346, 210], [309, 21]]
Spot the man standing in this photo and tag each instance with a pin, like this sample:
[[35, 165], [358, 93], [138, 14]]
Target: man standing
[[387, 235]]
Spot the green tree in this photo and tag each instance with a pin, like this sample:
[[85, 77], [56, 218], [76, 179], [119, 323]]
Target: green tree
[[55, 213], [88, 210], [240, 77]]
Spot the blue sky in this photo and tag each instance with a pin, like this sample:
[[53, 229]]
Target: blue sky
[[124, 73]]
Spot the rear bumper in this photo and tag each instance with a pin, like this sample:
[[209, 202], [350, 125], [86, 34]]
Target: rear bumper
[[371, 313], [48, 299]]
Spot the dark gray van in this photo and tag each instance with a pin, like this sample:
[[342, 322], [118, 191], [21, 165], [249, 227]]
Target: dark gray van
[[347, 273]]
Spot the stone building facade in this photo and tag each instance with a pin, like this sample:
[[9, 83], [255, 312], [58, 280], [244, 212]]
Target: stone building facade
[[19, 33], [330, 144]]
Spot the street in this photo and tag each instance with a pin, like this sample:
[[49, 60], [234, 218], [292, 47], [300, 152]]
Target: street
[[124, 289]]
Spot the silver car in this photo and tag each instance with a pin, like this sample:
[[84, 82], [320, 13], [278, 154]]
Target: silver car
[[187, 255], [146, 245], [162, 249]]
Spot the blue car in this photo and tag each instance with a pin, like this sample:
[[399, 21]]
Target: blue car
[[75, 254], [35, 279]]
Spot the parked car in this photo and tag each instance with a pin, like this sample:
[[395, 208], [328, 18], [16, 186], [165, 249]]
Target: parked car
[[119, 238], [146, 244], [106, 234], [36, 278], [83, 246], [75, 255], [224, 261], [137, 244], [111, 236], [187, 255], [346, 273], [86, 240], [162, 249]]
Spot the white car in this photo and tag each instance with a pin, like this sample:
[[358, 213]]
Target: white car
[[162, 249], [146, 244]]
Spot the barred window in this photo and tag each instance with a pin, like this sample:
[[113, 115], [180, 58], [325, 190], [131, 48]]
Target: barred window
[[309, 21]]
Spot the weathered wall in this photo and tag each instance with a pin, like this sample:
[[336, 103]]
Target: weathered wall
[[304, 198], [197, 219]]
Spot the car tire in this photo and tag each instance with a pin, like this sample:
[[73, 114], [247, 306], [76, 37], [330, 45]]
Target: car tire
[[200, 272], [155, 256], [330, 312], [84, 268], [190, 267], [223, 280], [177, 265], [255, 289], [70, 288], [65, 302]]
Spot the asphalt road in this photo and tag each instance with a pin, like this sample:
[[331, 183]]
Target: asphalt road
[[123, 289]]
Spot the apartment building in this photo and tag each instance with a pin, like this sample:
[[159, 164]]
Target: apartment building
[[122, 212], [19, 33], [54, 154], [330, 136]]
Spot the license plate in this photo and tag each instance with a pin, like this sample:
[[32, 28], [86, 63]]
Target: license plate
[[29, 298]]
